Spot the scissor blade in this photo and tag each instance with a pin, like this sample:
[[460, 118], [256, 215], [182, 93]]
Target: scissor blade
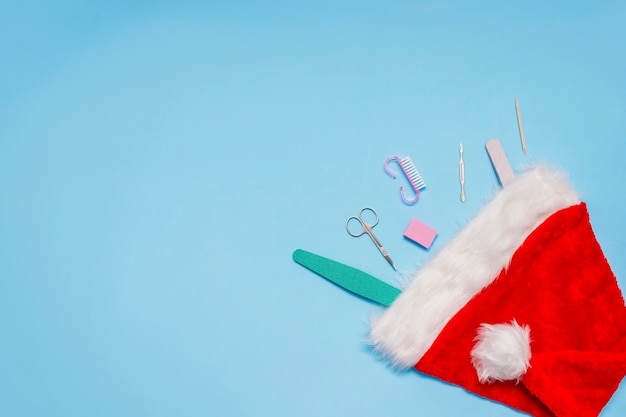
[[388, 258], [380, 247], [347, 277]]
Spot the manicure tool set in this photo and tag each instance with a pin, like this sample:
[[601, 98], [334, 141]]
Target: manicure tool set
[[417, 231], [367, 286]]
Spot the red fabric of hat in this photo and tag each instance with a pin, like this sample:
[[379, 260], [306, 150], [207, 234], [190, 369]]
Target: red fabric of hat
[[520, 307]]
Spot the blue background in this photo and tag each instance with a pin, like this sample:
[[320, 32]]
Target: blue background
[[160, 161]]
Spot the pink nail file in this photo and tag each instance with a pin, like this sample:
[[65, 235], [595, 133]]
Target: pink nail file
[[420, 233], [500, 162]]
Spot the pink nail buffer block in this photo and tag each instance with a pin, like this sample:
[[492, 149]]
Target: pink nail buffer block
[[420, 233]]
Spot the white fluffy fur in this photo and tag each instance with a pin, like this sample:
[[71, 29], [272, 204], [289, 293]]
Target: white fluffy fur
[[468, 263], [502, 352]]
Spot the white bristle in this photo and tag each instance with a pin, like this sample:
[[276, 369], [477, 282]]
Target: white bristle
[[414, 176]]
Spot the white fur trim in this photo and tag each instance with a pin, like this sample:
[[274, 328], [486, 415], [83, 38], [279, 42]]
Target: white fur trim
[[468, 263], [502, 352]]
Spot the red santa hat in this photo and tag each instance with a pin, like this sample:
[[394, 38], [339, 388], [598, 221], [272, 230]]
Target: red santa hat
[[520, 307]]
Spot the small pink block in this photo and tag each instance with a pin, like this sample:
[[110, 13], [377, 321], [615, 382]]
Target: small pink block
[[420, 233]]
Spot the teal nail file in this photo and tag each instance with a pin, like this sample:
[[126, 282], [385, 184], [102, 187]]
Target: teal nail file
[[353, 280]]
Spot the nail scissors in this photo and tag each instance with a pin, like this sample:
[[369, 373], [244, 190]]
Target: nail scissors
[[367, 228]]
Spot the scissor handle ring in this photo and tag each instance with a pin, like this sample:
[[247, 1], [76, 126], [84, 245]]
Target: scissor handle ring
[[363, 210], [363, 230]]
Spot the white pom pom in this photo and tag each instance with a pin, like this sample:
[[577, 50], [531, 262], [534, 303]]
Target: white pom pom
[[502, 352]]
